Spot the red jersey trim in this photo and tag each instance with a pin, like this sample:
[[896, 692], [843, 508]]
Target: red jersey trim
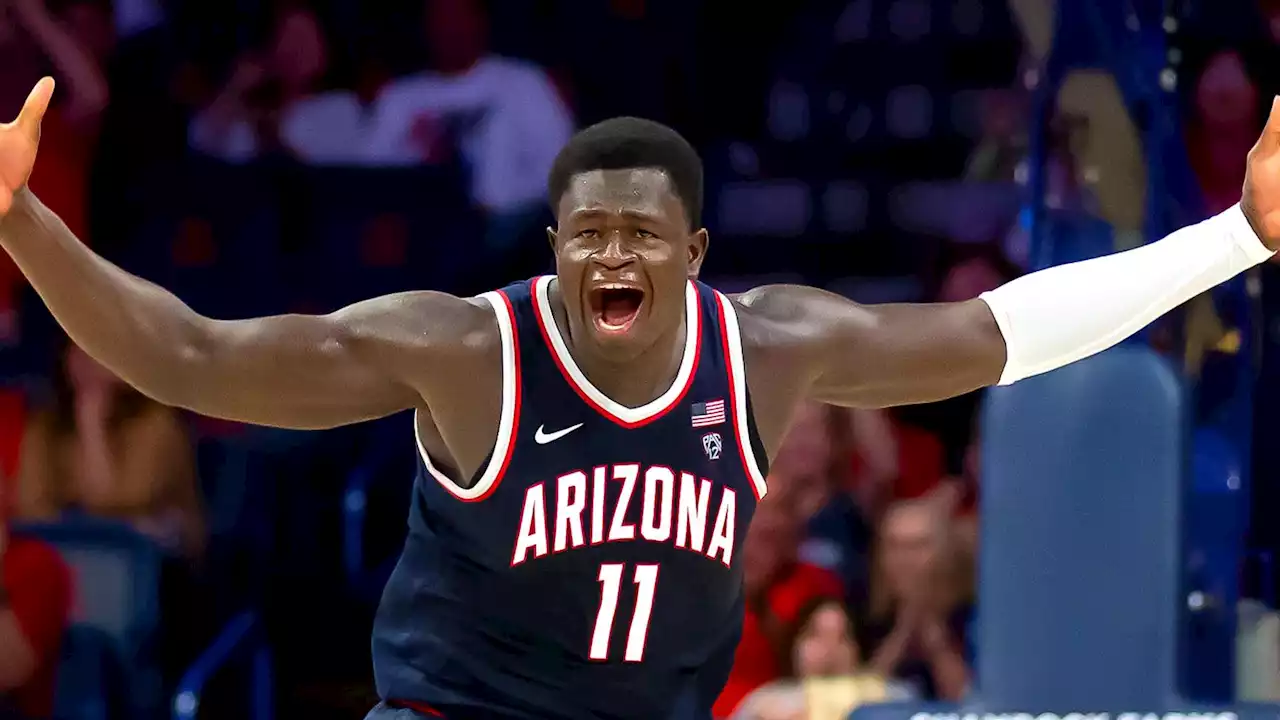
[[731, 339], [509, 421], [627, 417]]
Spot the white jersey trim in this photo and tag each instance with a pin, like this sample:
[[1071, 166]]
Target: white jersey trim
[[738, 385], [510, 410], [605, 404]]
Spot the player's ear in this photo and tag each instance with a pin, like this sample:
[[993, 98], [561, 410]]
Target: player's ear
[[697, 251], [551, 237]]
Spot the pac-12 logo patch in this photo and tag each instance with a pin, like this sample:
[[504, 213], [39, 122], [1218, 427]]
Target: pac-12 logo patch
[[711, 445]]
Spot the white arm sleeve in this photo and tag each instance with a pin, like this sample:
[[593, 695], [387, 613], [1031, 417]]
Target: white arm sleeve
[[1063, 314]]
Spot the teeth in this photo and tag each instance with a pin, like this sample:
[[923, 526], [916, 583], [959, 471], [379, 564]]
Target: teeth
[[614, 286]]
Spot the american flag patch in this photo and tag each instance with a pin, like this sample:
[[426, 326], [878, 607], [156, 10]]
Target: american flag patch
[[708, 413]]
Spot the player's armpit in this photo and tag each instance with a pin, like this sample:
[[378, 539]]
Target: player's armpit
[[878, 355], [365, 361]]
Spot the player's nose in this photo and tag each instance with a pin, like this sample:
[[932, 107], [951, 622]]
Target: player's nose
[[615, 255]]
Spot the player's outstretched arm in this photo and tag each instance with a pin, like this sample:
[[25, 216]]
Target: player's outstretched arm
[[289, 371], [874, 355], [297, 371], [899, 354]]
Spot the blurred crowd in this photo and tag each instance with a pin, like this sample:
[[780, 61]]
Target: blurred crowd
[[859, 568]]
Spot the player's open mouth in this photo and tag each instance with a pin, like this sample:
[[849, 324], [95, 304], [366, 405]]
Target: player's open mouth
[[615, 307]]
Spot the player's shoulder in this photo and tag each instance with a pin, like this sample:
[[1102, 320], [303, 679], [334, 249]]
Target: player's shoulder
[[800, 313], [776, 316], [771, 302]]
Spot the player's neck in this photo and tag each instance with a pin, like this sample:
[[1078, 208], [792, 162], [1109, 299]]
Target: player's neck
[[634, 382]]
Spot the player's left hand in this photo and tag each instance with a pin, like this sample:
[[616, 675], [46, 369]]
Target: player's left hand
[[19, 141], [1261, 198]]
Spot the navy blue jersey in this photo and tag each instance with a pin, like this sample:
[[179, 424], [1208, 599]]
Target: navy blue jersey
[[591, 570]]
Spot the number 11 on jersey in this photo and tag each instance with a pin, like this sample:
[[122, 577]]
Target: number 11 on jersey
[[646, 581]]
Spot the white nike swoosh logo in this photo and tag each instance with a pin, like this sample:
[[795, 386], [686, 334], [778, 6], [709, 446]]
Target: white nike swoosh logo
[[542, 438]]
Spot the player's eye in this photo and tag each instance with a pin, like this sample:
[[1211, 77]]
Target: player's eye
[[588, 233], [645, 234]]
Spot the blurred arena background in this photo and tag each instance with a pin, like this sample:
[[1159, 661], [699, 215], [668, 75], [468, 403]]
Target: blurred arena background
[[1098, 540]]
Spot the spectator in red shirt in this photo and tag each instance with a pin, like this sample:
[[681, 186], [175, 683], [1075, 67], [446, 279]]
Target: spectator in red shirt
[[35, 603], [918, 610], [823, 647], [778, 588], [1227, 110], [72, 44], [837, 499]]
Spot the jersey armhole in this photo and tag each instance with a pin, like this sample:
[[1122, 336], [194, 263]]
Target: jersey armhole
[[732, 339], [491, 474]]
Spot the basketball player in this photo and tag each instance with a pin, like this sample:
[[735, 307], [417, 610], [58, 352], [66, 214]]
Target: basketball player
[[593, 444]]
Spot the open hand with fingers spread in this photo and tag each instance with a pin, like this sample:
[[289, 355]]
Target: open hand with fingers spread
[[19, 141]]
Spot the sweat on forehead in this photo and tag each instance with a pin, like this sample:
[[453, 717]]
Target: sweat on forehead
[[649, 186]]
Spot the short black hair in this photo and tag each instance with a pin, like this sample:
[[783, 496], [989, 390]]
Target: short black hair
[[628, 142]]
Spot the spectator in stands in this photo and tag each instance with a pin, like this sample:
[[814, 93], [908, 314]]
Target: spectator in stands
[[1067, 193], [505, 115], [287, 98], [834, 498], [801, 467], [869, 436], [919, 607], [1222, 128], [969, 271], [35, 606], [963, 496], [1003, 143], [73, 45], [983, 269], [778, 586], [822, 647], [103, 448], [1226, 109]]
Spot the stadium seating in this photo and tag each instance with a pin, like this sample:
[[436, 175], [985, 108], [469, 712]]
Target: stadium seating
[[383, 476], [116, 613], [241, 639], [91, 677], [375, 233], [1216, 516], [109, 669], [215, 238]]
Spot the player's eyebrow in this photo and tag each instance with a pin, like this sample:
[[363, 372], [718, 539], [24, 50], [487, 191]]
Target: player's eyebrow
[[643, 215], [631, 213]]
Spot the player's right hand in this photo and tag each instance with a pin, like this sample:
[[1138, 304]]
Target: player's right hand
[[19, 141]]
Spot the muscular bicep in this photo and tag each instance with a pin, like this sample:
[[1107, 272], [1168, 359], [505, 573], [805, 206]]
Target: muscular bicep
[[293, 371], [883, 355], [320, 371]]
